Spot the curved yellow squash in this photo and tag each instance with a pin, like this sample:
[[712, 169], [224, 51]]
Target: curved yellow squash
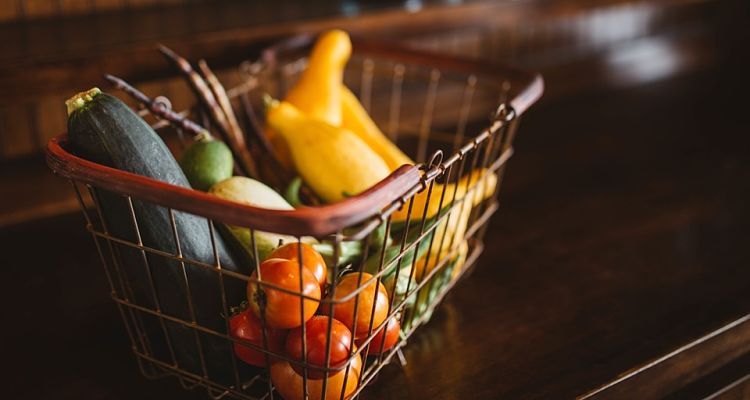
[[356, 119], [334, 162], [483, 179], [317, 93]]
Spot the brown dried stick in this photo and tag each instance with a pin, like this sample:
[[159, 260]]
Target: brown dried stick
[[216, 114], [226, 106], [157, 108], [271, 169], [255, 128]]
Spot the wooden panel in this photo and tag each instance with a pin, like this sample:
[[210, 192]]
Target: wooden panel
[[31, 192], [738, 390], [17, 138], [723, 379], [51, 118], [31, 9], [688, 363], [107, 5], [41, 8], [76, 6], [463, 31], [9, 9], [622, 235]]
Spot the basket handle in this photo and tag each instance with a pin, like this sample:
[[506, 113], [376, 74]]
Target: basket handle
[[315, 221]]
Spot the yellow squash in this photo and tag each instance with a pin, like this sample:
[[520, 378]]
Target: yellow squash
[[463, 253], [334, 162], [356, 119], [451, 230], [449, 235], [483, 179], [317, 93], [423, 266]]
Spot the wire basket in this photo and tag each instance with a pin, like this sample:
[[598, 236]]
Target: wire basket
[[175, 302]]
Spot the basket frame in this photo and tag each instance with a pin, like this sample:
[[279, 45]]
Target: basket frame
[[369, 209]]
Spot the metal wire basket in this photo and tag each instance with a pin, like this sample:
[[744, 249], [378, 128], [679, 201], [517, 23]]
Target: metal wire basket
[[426, 102]]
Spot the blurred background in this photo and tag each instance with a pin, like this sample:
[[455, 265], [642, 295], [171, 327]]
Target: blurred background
[[624, 223], [53, 48]]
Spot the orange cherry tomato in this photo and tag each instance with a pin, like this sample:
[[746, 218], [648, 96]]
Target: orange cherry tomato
[[290, 385], [311, 259], [316, 332], [368, 297], [389, 335], [247, 326], [283, 309]]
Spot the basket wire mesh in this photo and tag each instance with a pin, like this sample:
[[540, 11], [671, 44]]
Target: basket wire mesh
[[423, 108]]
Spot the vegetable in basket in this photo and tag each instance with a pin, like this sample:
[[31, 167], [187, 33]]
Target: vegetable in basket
[[338, 344], [427, 294], [371, 308], [356, 119], [283, 310], [334, 162], [481, 178], [448, 234], [254, 193], [102, 129], [391, 266], [311, 259], [386, 337], [246, 326], [321, 94], [248, 191], [340, 385], [207, 162], [317, 93]]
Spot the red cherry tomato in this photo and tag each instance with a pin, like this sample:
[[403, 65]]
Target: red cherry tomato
[[316, 330], [283, 309], [311, 259], [390, 333], [247, 326]]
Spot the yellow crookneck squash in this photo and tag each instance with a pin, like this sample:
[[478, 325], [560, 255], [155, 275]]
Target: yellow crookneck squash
[[484, 181], [356, 119], [333, 161], [317, 93]]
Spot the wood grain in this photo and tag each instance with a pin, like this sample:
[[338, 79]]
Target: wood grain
[[621, 237], [559, 36]]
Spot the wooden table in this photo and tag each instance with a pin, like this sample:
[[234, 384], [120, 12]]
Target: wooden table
[[617, 265]]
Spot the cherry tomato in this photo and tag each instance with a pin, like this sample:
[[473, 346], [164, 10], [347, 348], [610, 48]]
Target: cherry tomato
[[390, 332], [290, 384], [311, 259], [283, 309], [316, 330], [247, 326], [369, 298]]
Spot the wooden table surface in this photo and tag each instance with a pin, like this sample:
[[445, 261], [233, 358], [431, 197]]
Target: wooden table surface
[[617, 265], [622, 237]]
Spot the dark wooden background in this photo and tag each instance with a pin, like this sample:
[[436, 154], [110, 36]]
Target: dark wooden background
[[617, 265]]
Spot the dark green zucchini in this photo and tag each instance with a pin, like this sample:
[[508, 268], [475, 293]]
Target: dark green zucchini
[[101, 128]]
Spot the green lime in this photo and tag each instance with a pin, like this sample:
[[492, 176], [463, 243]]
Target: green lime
[[207, 162]]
